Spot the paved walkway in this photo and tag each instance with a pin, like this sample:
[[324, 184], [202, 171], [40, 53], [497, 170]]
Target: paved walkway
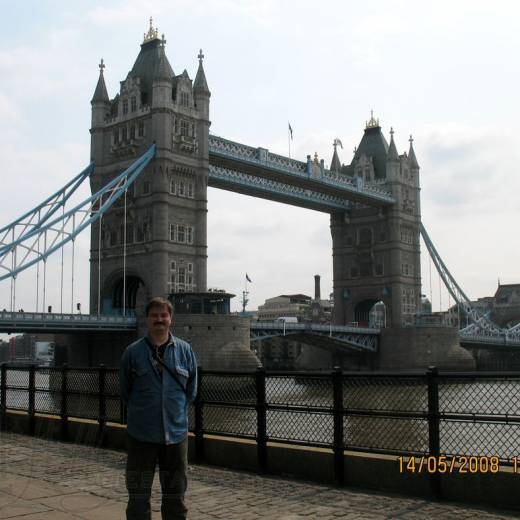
[[44, 480]]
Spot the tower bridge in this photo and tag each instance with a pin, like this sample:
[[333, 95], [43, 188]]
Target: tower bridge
[[152, 161]]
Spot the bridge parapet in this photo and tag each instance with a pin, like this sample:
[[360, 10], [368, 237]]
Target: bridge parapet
[[40, 321], [359, 338], [291, 194], [258, 155], [221, 147]]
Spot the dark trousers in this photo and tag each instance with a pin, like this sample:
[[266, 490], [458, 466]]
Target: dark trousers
[[140, 470]]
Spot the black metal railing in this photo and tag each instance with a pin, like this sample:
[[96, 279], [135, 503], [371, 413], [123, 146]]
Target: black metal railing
[[421, 414]]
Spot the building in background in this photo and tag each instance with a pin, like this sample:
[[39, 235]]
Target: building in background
[[281, 353]]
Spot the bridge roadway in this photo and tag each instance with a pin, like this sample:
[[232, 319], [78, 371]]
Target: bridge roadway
[[359, 338]]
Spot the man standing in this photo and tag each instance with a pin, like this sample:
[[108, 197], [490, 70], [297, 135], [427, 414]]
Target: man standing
[[158, 377]]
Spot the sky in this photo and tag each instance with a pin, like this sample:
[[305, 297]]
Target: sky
[[445, 72]]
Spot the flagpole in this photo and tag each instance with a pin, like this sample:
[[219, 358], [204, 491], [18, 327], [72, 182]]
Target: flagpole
[[289, 139]]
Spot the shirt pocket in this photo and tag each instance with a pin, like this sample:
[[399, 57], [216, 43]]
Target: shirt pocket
[[143, 378]]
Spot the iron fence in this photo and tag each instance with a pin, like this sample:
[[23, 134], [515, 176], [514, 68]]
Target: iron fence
[[420, 414]]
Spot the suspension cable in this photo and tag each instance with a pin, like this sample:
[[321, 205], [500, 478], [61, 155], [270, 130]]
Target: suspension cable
[[124, 258], [38, 268], [62, 250], [99, 258], [72, 268]]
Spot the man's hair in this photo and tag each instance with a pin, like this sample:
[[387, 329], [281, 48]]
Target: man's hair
[[159, 302]]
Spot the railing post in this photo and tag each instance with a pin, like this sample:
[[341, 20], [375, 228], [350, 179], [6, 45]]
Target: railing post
[[199, 426], [338, 442], [3, 397], [63, 408], [102, 416], [32, 395], [261, 421], [433, 424]]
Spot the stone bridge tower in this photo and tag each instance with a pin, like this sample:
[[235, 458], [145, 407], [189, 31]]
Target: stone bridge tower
[[164, 248], [376, 252]]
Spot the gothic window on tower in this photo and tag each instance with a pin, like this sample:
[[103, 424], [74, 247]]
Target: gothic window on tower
[[184, 127], [113, 237], [125, 135], [190, 190], [132, 132], [141, 128], [146, 188], [181, 190], [133, 104], [181, 278], [115, 136], [189, 278], [139, 236], [173, 186], [125, 106], [173, 233], [365, 237], [181, 234], [185, 99]]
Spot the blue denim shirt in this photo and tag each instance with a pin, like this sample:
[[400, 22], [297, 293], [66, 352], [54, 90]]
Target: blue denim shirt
[[157, 407]]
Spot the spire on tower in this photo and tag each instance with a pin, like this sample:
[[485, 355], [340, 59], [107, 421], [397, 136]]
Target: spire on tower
[[101, 94], [392, 154], [372, 122], [152, 34], [411, 155], [163, 69], [335, 164], [200, 84]]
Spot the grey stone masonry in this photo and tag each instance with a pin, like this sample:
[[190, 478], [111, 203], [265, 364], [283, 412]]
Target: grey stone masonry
[[376, 251], [165, 243]]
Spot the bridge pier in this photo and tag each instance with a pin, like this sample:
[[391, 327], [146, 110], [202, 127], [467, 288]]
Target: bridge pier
[[421, 347]]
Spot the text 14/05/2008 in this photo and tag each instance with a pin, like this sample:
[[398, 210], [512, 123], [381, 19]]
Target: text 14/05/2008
[[462, 464]]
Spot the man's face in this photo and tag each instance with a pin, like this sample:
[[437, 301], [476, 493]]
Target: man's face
[[158, 320]]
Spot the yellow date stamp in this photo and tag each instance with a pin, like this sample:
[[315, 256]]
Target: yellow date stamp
[[443, 464]]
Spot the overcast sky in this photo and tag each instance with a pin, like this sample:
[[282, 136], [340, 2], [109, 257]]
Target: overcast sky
[[446, 72]]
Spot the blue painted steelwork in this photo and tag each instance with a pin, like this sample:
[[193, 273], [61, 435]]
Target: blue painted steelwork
[[220, 177], [41, 213], [45, 322], [243, 155], [56, 233], [361, 338], [481, 327]]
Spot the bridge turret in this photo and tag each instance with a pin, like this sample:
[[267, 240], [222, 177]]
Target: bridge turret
[[100, 112], [162, 89], [335, 164], [392, 160], [201, 90]]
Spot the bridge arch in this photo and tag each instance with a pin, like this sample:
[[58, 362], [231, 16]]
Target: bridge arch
[[133, 294], [370, 312]]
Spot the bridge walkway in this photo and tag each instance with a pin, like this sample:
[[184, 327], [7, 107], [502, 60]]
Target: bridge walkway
[[43, 480]]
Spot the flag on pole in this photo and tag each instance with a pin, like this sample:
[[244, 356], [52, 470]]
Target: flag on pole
[[338, 142], [247, 278], [290, 129]]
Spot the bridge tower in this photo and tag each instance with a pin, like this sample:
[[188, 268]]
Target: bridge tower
[[163, 246], [376, 252]]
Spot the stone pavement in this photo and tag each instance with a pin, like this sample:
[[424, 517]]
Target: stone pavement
[[43, 480]]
